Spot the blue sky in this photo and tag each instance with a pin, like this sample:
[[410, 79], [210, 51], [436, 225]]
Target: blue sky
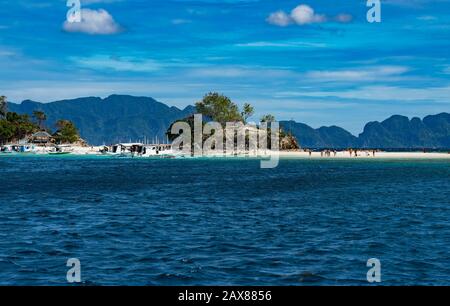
[[322, 64]]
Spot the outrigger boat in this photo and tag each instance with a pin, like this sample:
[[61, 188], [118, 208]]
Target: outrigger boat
[[119, 150], [153, 150], [31, 149], [8, 149], [13, 149], [61, 150], [137, 150]]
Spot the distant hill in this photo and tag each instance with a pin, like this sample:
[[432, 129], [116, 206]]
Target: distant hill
[[396, 132], [400, 132], [324, 137], [113, 119], [120, 118]]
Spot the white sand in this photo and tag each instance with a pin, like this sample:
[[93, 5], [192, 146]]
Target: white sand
[[76, 150], [346, 155], [368, 155]]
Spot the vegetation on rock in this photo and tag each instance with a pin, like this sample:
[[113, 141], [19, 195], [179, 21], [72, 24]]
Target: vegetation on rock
[[219, 108], [15, 127]]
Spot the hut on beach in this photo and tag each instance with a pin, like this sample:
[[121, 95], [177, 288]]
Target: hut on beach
[[42, 138]]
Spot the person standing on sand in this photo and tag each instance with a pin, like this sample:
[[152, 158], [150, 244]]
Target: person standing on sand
[[310, 152]]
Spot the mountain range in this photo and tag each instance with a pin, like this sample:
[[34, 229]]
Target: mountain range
[[396, 132], [120, 118], [117, 118]]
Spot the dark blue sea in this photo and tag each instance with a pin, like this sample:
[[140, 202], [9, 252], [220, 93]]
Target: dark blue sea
[[223, 222]]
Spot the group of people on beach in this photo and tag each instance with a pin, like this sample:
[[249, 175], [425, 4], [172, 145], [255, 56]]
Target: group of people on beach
[[352, 153], [327, 153], [367, 152]]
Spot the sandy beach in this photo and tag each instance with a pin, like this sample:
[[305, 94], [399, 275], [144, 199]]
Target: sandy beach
[[366, 154], [362, 154]]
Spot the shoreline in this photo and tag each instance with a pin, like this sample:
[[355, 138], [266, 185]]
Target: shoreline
[[341, 155], [368, 155]]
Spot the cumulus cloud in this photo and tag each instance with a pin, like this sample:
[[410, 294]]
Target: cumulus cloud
[[303, 15], [94, 22], [279, 18]]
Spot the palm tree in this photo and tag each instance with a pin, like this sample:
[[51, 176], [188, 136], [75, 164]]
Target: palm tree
[[268, 118], [40, 117], [247, 112], [3, 107]]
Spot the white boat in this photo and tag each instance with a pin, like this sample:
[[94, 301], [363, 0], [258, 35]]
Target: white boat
[[18, 148], [137, 150], [8, 149], [154, 150], [61, 150], [120, 149], [27, 148]]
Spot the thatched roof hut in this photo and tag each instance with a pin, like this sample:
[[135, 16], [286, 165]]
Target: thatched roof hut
[[41, 137]]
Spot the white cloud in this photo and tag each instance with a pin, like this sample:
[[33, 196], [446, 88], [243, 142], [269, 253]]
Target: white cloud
[[94, 22], [87, 2], [7, 53], [302, 15], [385, 93], [47, 91], [117, 63], [238, 71], [269, 44], [361, 74], [427, 18], [279, 18]]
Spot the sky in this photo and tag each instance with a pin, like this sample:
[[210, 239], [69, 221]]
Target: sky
[[317, 62]]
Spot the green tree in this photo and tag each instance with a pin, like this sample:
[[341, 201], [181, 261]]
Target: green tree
[[219, 108], [21, 124], [7, 131], [247, 111], [67, 132], [268, 118], [40, 117], [3, 107]]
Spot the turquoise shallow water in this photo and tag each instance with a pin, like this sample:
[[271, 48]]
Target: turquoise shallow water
[[223, 222]]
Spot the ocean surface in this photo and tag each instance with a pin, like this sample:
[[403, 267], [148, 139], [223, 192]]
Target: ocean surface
[[223, 222]]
